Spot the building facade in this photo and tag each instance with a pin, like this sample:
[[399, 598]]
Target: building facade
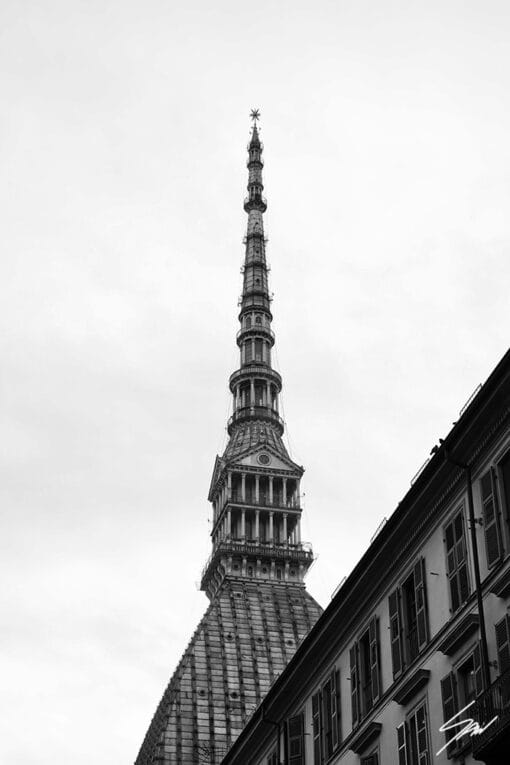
[[259, 608], [410, 662]]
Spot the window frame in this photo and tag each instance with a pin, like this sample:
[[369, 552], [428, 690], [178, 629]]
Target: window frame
[[401, 651], [406, 753], [359, 671], [454, 575]]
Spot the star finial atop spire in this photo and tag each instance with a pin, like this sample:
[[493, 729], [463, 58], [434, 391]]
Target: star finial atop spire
[[255, 115]]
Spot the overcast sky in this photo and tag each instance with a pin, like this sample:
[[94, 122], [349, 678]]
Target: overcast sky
[[123, 148]]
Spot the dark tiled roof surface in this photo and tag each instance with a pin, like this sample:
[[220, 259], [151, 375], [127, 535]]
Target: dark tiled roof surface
[[250, 435], [247, 636]]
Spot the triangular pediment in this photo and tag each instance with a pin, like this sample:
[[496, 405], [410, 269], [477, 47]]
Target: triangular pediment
[[267, 458], [219, 464]]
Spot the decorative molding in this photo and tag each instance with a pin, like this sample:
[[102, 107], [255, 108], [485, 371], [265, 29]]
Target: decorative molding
[[501, 585], [365, 737], [460, 634], [412, 686]]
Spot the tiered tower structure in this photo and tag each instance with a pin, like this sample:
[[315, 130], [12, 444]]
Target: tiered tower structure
[[259, 609]]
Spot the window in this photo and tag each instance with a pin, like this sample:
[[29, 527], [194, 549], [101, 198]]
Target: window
[[491, 522], [365, 672], [459, 688], [408, 619], [296, 740], [413, 739], [326, 718], [271, 760], [503, 644], [504, 473], [456, 561]]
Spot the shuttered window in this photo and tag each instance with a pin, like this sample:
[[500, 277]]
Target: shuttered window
[[413, 739], [402, 744], [450, 704], [354, 667], [365, 672], [317, 728], [408, 619], [504, 472], [456, 561], [503, 644], [491, 522], [331, 713], [296, 740]]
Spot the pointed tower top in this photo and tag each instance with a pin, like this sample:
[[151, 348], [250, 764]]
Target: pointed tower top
[[255, 140]]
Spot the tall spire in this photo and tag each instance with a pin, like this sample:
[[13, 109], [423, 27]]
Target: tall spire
[[255, 488], [259, 608]]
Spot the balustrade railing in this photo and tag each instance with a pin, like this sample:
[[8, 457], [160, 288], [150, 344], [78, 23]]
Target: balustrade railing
[[285, 551], [492, 713], [262, 412]]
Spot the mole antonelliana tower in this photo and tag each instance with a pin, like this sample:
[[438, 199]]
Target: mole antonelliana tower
[[259, 609]]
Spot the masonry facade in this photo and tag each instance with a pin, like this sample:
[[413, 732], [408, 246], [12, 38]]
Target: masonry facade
[[259, 608], [418, 637]]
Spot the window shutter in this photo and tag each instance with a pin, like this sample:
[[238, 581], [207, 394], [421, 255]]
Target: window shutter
[[396, 632], [477, 668], [450, 703], [451, 566], [317, 728], [503, 644], [374, 659], [456, 559], [490, 518], [295, 734], [461, 555], [421, 735], [504, 467], [402, 744], [335, 708], [353, 656], [421, 603]]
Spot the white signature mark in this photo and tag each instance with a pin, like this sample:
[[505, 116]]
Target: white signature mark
[[471, 727]]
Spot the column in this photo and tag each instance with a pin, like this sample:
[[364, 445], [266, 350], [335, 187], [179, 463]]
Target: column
[[298, 531], [270, 535], [257, 526], [270, 489], [243, 524], [285, 540], [229, 485], [252, 392], [285, 492], [268, 394], [229, 522], [243, 487], [253, 349], [257, 488]]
